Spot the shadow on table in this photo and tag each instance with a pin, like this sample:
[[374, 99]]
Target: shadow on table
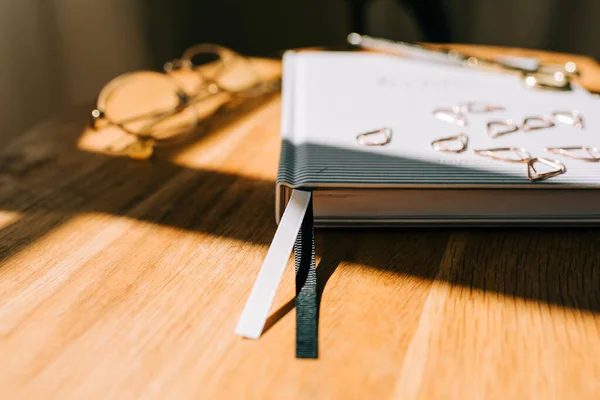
[[48, 181]]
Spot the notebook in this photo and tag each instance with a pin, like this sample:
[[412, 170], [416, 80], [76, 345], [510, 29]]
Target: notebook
[[331, 97], [328, 178]]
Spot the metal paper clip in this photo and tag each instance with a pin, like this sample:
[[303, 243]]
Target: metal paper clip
[[462, 139], [535, 123], [494, 128], [496, 153], [572, 118], [533, 175], [478, 108], [592, 152], [453, 116], [379, 137]]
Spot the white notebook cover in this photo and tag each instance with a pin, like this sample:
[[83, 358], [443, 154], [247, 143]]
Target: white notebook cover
[[331, 97]]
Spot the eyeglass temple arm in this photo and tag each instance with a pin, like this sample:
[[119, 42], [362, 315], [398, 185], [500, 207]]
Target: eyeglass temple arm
[[96, 115]]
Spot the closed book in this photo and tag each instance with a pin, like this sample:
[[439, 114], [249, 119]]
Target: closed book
[[330, 98]]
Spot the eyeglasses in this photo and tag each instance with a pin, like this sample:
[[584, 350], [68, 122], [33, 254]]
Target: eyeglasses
[[146, 109]]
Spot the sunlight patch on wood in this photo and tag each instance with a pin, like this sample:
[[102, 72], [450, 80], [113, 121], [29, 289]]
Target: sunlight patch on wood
[[8, 217]]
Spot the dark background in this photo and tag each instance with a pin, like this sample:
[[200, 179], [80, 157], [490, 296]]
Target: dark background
[[56, 53], [264, 26]]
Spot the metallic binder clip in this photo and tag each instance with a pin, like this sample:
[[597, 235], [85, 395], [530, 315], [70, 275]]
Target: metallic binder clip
[[500, 128], [439, 144], [520, 155], [533, 175], [572, 118], [478, 108], [453, 116], [535, 123], [379, 137], [590, 154]]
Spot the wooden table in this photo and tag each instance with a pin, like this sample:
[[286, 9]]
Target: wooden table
[[125, 279]]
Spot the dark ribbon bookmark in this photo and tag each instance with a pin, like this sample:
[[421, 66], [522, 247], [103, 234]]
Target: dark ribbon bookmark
[[307, 311]]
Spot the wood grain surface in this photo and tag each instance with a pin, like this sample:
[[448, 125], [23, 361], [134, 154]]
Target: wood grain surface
[[125, 279]]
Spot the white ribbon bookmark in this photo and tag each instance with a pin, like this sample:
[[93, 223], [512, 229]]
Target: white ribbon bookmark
[[261, 297]]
